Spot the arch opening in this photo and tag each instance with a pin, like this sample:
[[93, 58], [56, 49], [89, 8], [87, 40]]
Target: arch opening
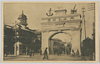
[[58, 43]]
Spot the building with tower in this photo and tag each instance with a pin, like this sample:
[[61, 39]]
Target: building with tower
[[18, 39]]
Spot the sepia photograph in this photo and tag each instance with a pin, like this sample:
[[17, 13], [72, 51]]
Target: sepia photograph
[[50, 31]]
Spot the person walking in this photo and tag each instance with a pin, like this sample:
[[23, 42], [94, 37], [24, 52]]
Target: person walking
[[33, 52], [45, 54], [60, 52], [73, 53], [40, 51], [30, 52]]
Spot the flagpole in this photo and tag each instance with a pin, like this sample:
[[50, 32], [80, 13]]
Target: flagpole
[[83, 10]]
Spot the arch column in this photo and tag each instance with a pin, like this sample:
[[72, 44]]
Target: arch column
[[45, 36], [76, 41]]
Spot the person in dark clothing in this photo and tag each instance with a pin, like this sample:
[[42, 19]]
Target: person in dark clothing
[[73, 53], [58, 52], [33, 53], [77, 53], [40, 52], [30, 52], [45, 54]]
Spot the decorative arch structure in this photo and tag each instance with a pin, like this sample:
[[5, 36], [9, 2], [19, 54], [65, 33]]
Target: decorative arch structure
[[58, 24]]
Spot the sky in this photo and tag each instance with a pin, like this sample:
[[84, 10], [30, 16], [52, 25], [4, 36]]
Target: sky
[[36, 11]]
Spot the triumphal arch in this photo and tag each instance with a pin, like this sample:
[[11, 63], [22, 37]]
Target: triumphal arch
[[61, 22]]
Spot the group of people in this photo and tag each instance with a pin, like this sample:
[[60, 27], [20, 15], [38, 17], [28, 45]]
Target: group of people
[[59, 52], [45, 53]]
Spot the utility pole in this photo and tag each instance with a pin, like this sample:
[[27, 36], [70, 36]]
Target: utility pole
[[91, 7], [83, 10]]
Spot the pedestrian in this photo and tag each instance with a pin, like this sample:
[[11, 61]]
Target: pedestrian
[[67, 50], [45, 54], [73, 53], [30, 52], [60, 51], [77, 53], [40, 52], [33, 53]]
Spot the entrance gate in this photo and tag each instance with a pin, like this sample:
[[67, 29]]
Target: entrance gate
[[62, 24]]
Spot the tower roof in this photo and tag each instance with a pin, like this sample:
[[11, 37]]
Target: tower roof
[[22, 16], [23, 19]]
